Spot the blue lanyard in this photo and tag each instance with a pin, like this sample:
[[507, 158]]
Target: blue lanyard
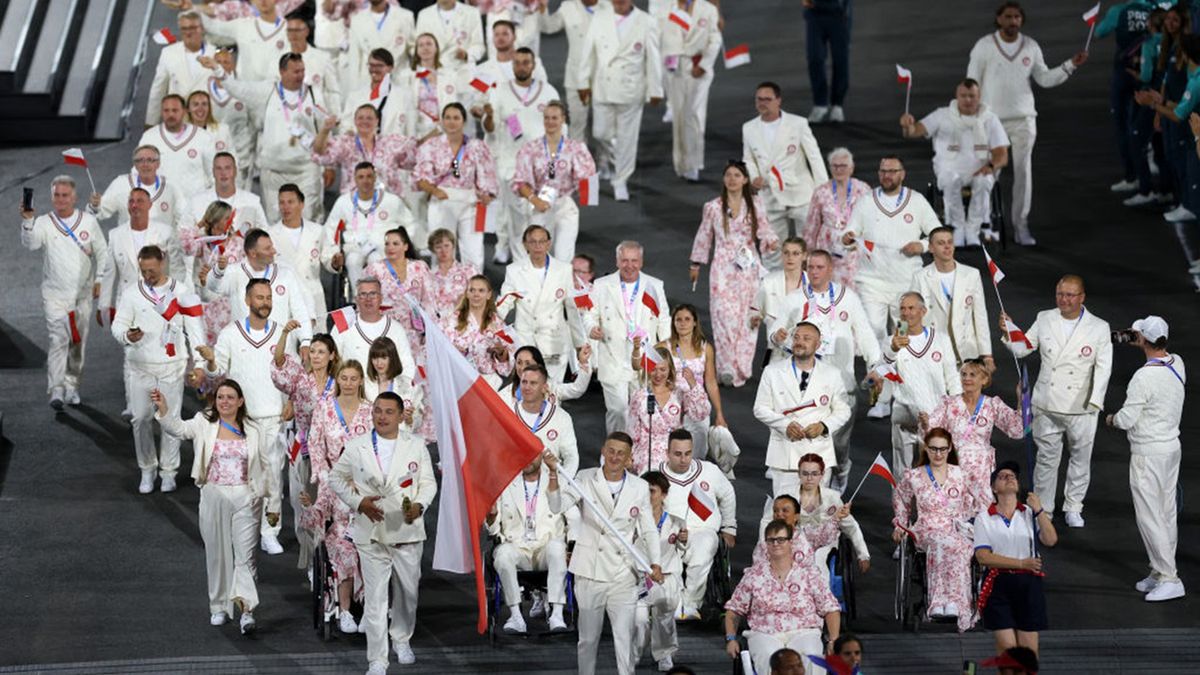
[[848, 192], [156, 181], [392, 270], [978, 406], [796, 373], [546, 270], [228, 426], [899, 197], [536, 490], [458, 157], [375, 447], [946, 292], [374, 200], [929, 470], [337, 408], [266, 327], [328, 386], [266, 274], [379, 24], [70, 233], [810, 293], [1168, 367], [662, 519], [362, 149]]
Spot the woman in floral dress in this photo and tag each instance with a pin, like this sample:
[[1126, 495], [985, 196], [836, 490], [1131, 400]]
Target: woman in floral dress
[[676, 403], [737, 220], [198, 241], [823, 517], [477, 330], [829, 211], [448, 277], [392, 155]]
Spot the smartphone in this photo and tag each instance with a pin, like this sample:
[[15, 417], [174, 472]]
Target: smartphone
[[968, 668], [904, 328], [27, 199]]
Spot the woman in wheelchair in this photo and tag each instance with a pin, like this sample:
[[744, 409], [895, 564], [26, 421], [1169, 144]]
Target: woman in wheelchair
[[823, 517], [784, 602], [787, 509], [944, 502]]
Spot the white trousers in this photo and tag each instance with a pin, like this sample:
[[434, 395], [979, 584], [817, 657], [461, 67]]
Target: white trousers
[[979, 209], [688, 98], [562, 220], [457, 214], [64, 358], [841, 442], [1049, 429], [1153, 480], [398, 567], [698, 558], [882, 307], [552, 558], [786, 221], [307, 177], [229, 527], [699, 431], [141, 381], [655, 620], [268, 433], [616, 406], [1022, 132], [616, 128], [299, 473], [578, 111], [510, 222], [906, 437], [617, 599], [763, 645]]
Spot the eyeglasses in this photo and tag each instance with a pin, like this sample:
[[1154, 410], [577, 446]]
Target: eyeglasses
[[938, 449], [369, 294], [1061, 294], [537, 242], [811, 474], [777, 540], [145, 160]]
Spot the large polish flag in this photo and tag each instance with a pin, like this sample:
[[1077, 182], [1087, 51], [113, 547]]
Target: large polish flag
[[482, 447]]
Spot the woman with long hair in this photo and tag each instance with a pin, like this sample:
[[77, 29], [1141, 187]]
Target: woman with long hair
[[830, 210], [200, 113], [737, 221], [386, 373], [211, 238], [677, 400], [479, 333], [402, 276], [393, 155], [448, 277], [236, 481]]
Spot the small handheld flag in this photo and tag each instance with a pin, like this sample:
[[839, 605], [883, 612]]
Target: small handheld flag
[[650, 303], [904, 76], [74, 157], [680, 18], [700, 502], [1090, 17], [737, 56], [165, 37], [589, 191], [343, 318], [878, 468], [482, 82]]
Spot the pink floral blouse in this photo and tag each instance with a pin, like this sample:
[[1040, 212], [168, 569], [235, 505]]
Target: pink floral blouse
[[446, 288], [650, 434], [228, 463], [392, 155], [772, 606], [476, 170], [301, 389], [827, 218], [327, 437], [475, 343], [573, 164]]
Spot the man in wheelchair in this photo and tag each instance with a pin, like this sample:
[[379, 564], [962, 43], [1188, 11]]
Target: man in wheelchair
[[969, 146], [531, 537]]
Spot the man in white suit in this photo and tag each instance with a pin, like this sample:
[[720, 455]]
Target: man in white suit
[[532, 537], [168, 204], [575, 17], [689, 57], [178, 71], [804, 402], [628, 306], [387, 478], [620, 71], [606, 578], [185, 150], [785, 163], [1076, 350], [298, 245], [458, 28], [119, 270], [371, 323], [539, 288], [380, 25], [954, 292], [356, 229]]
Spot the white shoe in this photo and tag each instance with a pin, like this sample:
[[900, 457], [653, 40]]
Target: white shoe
[[377, 668], [937, 612], [1024, 238], [270, 544], [1074, 519], [692, 176], [620, 192], [72, 397], [538, 607], [687, 614], [668, 116], [501, 256], [404, 654], [818, 114], [247, 623], [1166, 590], [1175, 211], [147, 484], [1124, 186], [127, 415], [880, 410], [1146, 585], [168, 484], [218, 619], [665, 664], [950, 610], [1140, 199], [1179, 215], [516, 622], [836, 114], [346, 623], [56, 398], [557, 623], [603, 173]]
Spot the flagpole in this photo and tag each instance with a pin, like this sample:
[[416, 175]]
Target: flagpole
[[637, 556], [1091, 30], [996, 287], [860, 484], [89, 175], [907, 95]]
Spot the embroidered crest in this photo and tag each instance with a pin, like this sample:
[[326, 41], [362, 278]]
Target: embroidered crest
[[704, 485], [633, 512], [794, 589], [792, 149], [83, 236], [399, 40], [192, 153], [541, 107], [316, 79], [562, 165], [824, 400], [970, 300], [314, 253], [552, 434], [359, 430], [558, 295], [237, 105], [702, 23], [412, 466], [908, 218], [637, 46], [982, 421], [953, 492], [220, 146], [798, 556], [844, 315], [164, 206], [279, 44], [1086, 351], [831, 510], [937, 357], [673, 409], [230, 260], [383, 215], [449, 89], [1026, 61], [307, 110], [279, 289]]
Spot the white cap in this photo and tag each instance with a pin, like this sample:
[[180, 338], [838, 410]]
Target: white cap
[[1152, 328]]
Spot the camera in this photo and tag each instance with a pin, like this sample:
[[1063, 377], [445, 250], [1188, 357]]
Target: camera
[[1124, 336]]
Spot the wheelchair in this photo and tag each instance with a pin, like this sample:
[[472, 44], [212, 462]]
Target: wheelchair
[[720, 585], [843, 568], [324, 593], [997, 219], [529, 581], [911, 599]]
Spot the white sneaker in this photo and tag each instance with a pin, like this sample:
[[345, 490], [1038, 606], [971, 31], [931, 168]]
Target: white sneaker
[[1194, 268], [668, 116], [147, 484], [270, 544], [56, 398], [218, 619], [72, 397], [247, 623], [692, 176], [538, 607], [836, 114], [168, 484], [557, 623], [404, 654], [346, 623], [1146, 585], [950, 610], [1166, 590], [1140, 199], [818, 114], [501, 256], [1124, 186], [937, 612], [665, 664], [620, 192], [1175, 211], [1179, 215], [880, 410], [1074, 519], [516, 622], [687, 614], [1024, 238], [896, 553], [377, 668]]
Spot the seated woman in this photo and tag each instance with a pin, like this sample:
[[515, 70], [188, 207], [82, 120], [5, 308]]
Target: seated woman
[[1007, 534], [783, 601], [823, 517], [675, 403], [387, 374], [944, 502]]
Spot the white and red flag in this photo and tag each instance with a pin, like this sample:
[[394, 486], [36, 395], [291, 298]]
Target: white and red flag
[[72, 328], [651, 359], [483, 447], [737, 56], [903, 75], [1092, 15], [589, 191], [1015, 334], [993, 268], [888, 372], [343, 318], [74, 156], [778, 177], [700, 502], [482, 81], [582, 298], [382, 89], [165, 37], [167, 306], [865, 246], [650, 301], [878, 468], [680, 18], [190, 305]]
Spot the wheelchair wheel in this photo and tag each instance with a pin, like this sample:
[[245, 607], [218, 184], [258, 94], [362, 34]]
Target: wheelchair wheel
[[900, 605], [999, 215], [491, 582], [847, 569], [916, 588], [720, 583], [323, 592]]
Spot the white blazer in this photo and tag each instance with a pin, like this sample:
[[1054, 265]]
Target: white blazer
[[137, 308], [779, 403], [597, 554], [509, 525], [541, 309], [708, 478], [357, 475], [263, 482], [172, 75], [670, 548], [1074, 374], [621, 68], [556, 430], [573, 17], [793, 151], [464, 31], [843, 325], [120, 271], [304, 259], [609, 313], [964, 319]]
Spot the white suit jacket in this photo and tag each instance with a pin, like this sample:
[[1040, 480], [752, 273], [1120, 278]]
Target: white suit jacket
[[613, 358], [263, 482], [464, 31], [355, 343], [621, 68], [120, 270], [708, 478], [541, 312], [1074, 374], [289, 299], [793, 151], [357, 475], [779, 403], [573, 17], [845, 330], [304, 259], [363, 235], [557, 433], [393, 30], [137, 308], [964, 319], [509, 525], [597, 554], [173, 76], [186, 161]]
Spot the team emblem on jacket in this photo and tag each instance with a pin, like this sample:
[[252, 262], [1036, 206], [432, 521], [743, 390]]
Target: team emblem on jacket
[[844, 315], [824, 400], [279, 44], [237, 105], [969, 300], [230, 260], [359, 430], [981, 421], [164, 206], [937, 357], [673, 409], [792, 149], [399, 40], [552, 434], [633, 512], [449, 89], [314, 253], [383, 215], [1026, 61], [637, 46], [192, 153], [671, 539], [279, 289], [83, 236], [1086, 351], [953, 492], [908, 218], [704, 485], [798, 556], [794, 589], [412, 466], [316, 79], [562, 165], [831, 510], [558, 295]]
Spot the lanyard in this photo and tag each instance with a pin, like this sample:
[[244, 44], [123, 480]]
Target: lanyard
[[799, 380], [70, 233], [843, 210], [139, 181], [929, 471], [458, 157], [362, 149], [392, 270], [810, 293], [370, 213], [266, 326], [379, 24], [337, 408], [328, 386], [630, 298], [546, 270], [617, 495], [287, 116], [946, 292], [978, 406], [661, 519], [375, 447], [1160, 362], [229, 426], [552, 169], [531, 504], [899, 196]]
